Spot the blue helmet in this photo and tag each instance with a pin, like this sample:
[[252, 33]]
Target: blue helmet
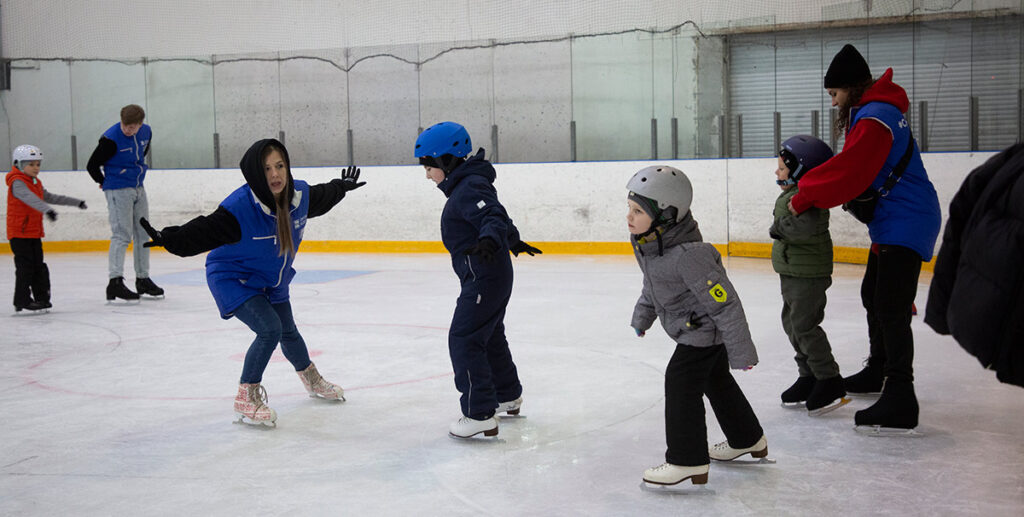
[[443, 138], [802, 153]]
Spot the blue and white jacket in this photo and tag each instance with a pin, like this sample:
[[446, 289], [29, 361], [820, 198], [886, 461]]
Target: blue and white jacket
[[127, 168]]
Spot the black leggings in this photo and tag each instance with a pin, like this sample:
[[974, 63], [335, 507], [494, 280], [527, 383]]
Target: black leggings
[[31, 276]]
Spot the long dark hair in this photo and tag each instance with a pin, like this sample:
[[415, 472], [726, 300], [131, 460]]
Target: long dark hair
[[282, 205], [853, 99]]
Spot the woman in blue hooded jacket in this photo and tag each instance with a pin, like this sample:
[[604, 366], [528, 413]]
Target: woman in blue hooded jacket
[[254, 235]]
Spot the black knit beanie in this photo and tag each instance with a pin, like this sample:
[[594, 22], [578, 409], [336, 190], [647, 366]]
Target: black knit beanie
[[848, 69]]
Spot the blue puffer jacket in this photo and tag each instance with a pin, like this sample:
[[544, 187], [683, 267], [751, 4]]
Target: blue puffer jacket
[[127, 168], [473, 212]]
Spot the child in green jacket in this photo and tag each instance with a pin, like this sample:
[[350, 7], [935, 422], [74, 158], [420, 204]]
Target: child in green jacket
[[802, 256]]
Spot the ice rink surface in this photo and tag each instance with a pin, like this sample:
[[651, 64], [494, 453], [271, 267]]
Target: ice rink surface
[[127, 410]]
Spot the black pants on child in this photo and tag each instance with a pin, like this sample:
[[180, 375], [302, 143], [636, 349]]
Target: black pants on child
[[31, 276], [887, 292], [692, 373]]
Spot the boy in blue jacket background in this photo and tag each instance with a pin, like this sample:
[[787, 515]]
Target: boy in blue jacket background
[[478, 232]]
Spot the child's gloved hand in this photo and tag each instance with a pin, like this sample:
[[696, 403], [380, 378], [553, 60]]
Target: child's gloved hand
[[485, 247], [51, 215], [156, 235], [82, 205], [747, 368], [639, 333], [350, 178], [522, 247]]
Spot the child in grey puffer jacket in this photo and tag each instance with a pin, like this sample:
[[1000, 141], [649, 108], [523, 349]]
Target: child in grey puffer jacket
[[686, 287]]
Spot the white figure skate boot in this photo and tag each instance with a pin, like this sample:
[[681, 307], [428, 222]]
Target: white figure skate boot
[[722, 452], [251, 405], [510, 408], [316, 386], [466, 427], [669, 474]]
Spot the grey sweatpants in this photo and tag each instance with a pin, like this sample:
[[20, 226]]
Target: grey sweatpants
[[803, 309], [126, 206]]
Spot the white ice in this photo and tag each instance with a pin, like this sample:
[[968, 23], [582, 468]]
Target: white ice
[[127, 410]]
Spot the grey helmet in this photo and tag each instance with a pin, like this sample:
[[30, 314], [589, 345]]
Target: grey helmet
[[668, 187]]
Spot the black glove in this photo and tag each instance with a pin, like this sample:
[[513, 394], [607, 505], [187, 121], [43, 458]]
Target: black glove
[[522, 247], [156, 235], [773, 232], [51, 215], [350, 178], [82, 205], [485, 247]]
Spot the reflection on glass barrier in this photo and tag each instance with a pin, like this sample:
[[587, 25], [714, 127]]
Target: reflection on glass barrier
[[642, 94]]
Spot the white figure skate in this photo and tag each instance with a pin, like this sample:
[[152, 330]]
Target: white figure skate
[[251, 406], [318, 387], [466, 427]]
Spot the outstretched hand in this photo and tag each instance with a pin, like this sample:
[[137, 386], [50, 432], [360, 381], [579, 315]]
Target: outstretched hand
[[522, 247], [350, 178], [485, 247], [640, 333], [156, 235], [51, 214]]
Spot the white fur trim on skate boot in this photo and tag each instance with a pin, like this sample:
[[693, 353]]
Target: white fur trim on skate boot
[[722, 451], [669, 474], [317, 387], [511, 408], [893, 432], [251, 406], [466, 427]]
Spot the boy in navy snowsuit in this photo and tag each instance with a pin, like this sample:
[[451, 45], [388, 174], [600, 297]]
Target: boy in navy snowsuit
[[478, 232]]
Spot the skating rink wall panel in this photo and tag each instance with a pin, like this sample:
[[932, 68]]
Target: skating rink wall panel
[[549, 202]]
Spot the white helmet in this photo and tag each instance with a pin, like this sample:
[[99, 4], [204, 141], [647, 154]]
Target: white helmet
[[668, 186], [26, 153]]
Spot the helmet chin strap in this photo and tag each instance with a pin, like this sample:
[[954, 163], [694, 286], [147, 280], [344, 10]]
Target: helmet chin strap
[[787, 181]]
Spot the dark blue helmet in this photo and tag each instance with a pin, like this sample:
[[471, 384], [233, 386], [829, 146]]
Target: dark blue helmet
[[802, 153], [443, 138]]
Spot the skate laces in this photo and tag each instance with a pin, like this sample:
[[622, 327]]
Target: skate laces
[[258, 396], [721, 446], [315, 380], [663, 466]]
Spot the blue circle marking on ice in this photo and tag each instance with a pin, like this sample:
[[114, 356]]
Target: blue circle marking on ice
[[315, 276]]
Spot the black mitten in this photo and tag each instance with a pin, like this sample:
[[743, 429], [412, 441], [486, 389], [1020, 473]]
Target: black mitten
[[156, 235], [485, 247], [522, 247], [51, 215]]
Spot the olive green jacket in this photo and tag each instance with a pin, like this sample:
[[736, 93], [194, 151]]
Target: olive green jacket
[[802, 245]]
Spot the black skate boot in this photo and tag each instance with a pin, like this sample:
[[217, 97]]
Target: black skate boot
[[895, 412], [33, 307], [147, 287], [796, 394], [867, 381], [828, 394], [117, 289]]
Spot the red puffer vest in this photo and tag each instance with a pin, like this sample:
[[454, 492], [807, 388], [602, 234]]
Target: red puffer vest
[[23, 221]]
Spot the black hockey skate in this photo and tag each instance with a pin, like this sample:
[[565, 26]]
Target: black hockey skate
[[33, 308], [145, 286], [827, 395], [895, 413], [866, 382], [117, 290], [796, 395]]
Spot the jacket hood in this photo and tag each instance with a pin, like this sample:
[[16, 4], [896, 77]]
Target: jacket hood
[[655, 242], [256, 178], [476, 165], [884, 90], [14, 174]]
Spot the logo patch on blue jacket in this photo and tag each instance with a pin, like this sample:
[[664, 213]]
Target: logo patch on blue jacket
[[481, 204]]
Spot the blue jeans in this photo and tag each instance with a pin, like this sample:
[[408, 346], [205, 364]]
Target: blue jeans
[[272, 324]]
